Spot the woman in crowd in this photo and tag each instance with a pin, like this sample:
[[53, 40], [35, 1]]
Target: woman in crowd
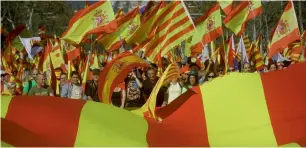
[[210, 76], [174, 90], [73, 89], [272, 66], [191, 81], [119, 96]]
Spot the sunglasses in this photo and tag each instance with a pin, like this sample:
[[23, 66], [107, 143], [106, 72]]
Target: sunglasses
[[210, 76]]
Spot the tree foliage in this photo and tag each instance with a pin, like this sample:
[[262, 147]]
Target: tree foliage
[[54, 16]]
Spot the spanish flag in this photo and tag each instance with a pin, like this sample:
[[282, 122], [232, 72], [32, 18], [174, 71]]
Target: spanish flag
[[267, 115], [127, 24], [115, 72], [208, 28], [172, 72], [235, 20], [96, 18], [286, 31], [226, 5], [56, 55]]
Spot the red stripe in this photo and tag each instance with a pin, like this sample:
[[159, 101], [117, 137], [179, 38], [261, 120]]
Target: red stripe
[[127, 17], [236, 11], [196, 49], [286, 100], [73, 53], [154, 11], [185, 124], [42, 117], [212, 35], [207, 14], [115, 46], [283, 42], [18, 136]]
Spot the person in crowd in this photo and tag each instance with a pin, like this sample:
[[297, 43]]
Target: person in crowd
[[174, 90], [12, 87], [280, 65], [201, 75], [134, 85], [29, 79], [41, 89], [119, 96], [91, 89], [150, 83], [272, 67], [193, 80], [4, 81], [73, 89], [247, 68], [210, 76], [220, 71], [184, 75], [63, 82]]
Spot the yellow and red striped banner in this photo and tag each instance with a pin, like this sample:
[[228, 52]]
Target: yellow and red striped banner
[[226, 6], [115, 72], [259, 112]]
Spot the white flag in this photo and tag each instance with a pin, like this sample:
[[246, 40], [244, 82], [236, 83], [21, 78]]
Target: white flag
[[30, 46], [242, 50]]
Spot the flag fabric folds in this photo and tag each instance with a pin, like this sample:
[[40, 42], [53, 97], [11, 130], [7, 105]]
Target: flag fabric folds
[[242, 52], [266, 115], [97, 18], [286, 31], [115, 72], [235, 20]]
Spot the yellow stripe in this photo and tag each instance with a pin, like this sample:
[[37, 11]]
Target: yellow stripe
[[5, 101], [105, 125], [238, 116]]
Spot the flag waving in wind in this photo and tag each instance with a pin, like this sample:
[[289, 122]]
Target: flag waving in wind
[[286, 31]]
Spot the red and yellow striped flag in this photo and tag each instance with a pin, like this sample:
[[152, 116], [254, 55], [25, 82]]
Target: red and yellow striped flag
[[172, 72], [86, 73], [286, 31], [226, 6], [115, 72], [235, 20], [255, 9], [127, 24], [96, 18], [141, 33], [209, 28], [268, 115], [173, 27]]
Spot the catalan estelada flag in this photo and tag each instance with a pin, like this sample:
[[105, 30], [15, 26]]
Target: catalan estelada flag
[[115, 72], [285, 32], [127, 24], [96, 18], [259, 112], [208, 28], [235, 20]]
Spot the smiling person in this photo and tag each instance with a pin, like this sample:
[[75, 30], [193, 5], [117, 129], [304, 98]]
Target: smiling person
[[41, 89], [73, 89]]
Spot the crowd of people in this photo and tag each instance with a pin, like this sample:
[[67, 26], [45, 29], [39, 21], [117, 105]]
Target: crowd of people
[[134, 90]]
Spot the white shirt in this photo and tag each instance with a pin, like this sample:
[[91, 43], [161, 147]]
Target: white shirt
[[76, 93], [174, 91]]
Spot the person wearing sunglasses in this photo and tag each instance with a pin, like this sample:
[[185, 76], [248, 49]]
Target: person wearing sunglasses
[[210, 76]]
